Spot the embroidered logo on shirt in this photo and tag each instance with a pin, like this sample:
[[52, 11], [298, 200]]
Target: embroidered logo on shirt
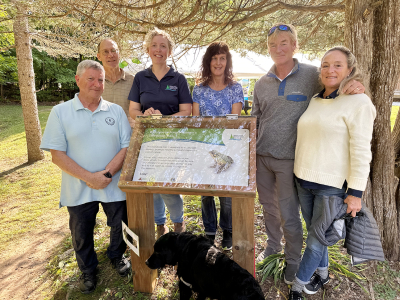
[[110, 121], [171, 88]]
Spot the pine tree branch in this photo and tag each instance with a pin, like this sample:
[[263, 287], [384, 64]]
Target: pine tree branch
[[130, 7]]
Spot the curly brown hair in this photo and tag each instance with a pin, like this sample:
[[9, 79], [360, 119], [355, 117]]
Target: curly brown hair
[[215, 48]]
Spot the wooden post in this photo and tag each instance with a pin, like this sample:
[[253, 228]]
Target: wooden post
[[141, 222], [243, 232], [140, 200]]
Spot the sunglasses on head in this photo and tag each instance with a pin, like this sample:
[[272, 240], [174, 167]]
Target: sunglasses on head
[[280, 27]]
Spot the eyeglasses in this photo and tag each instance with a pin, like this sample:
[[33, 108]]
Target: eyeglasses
[[280, 27], [106, 52]]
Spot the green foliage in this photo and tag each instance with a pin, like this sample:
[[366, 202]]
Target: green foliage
[[384, 279], [6, 39], [252, 83], [272, 266], [191, 82], [8, 68], [53, 69], [123, 64], [53, 94], [54, 76]]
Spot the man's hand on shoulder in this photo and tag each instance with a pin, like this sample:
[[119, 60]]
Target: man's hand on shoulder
[[98, 180], [353, 87]]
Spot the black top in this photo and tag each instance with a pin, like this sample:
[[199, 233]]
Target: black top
[[164, 95]]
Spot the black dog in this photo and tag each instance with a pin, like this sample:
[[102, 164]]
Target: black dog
[[203, 269]]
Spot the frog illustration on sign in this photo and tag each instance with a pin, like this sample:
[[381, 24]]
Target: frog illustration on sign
[[222, 162]]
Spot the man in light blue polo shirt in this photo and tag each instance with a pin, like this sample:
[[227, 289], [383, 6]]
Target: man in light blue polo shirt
[[88, 138]]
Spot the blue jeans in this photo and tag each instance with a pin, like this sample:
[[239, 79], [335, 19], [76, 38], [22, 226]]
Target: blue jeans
[[315, 255], [174, 204], [82, 219], [209, 214]]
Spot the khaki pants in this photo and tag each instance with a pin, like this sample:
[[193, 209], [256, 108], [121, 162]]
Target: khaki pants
[[278, 196]]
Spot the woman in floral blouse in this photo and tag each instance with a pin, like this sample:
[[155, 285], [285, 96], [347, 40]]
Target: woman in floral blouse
[[217, 95]]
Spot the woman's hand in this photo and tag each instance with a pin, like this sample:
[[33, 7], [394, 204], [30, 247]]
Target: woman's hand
[[353, 205], [151, 111], [353, 87]]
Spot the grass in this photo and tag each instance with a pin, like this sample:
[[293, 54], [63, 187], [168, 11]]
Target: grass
[[339, 264], [387, 280], [23, 201], [29, 196], [29, 201]]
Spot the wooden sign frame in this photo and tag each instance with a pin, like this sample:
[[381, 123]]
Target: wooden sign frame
[[142, 124], [139, 195]]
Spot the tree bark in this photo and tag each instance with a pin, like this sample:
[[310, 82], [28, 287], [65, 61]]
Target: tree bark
[[372, 33], [384, 77], [26, 80], [358, 35]]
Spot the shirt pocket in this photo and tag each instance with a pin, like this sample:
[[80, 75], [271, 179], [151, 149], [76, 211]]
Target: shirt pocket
[[296, 98]]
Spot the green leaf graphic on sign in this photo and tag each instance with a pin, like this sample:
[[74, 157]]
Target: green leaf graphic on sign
[[204, 135], [136, 61]]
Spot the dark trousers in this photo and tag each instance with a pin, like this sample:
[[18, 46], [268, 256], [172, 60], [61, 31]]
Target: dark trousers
[[82, 219], [209, 214]]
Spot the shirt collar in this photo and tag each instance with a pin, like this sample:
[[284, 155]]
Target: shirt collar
[[103, 105], [272, 71], [333, 95], [122, 77], [170, 73]]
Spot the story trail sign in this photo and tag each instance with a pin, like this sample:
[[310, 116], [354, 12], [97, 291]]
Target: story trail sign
[[210, 156]]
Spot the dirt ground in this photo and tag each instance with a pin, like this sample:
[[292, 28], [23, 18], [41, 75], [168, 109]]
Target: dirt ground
[[24, 274]]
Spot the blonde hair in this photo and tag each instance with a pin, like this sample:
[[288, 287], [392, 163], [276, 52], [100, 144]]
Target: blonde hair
[[292, 33], [351, 64], [152, 33]]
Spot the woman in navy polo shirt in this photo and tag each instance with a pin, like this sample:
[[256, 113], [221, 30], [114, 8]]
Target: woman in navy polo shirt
[[161, 90], [217, 95]]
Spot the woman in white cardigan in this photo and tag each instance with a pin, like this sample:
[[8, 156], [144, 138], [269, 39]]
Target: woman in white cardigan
[[333, 152]]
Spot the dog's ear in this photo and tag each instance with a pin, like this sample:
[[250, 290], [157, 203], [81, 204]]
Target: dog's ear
[[167, 245]]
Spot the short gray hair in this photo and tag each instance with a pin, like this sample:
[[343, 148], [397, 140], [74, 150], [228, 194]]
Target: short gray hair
[[88, 64]]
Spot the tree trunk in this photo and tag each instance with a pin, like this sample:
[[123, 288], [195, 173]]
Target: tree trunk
[[384, 77], [358, 35], [26, 79], [372, 31]]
